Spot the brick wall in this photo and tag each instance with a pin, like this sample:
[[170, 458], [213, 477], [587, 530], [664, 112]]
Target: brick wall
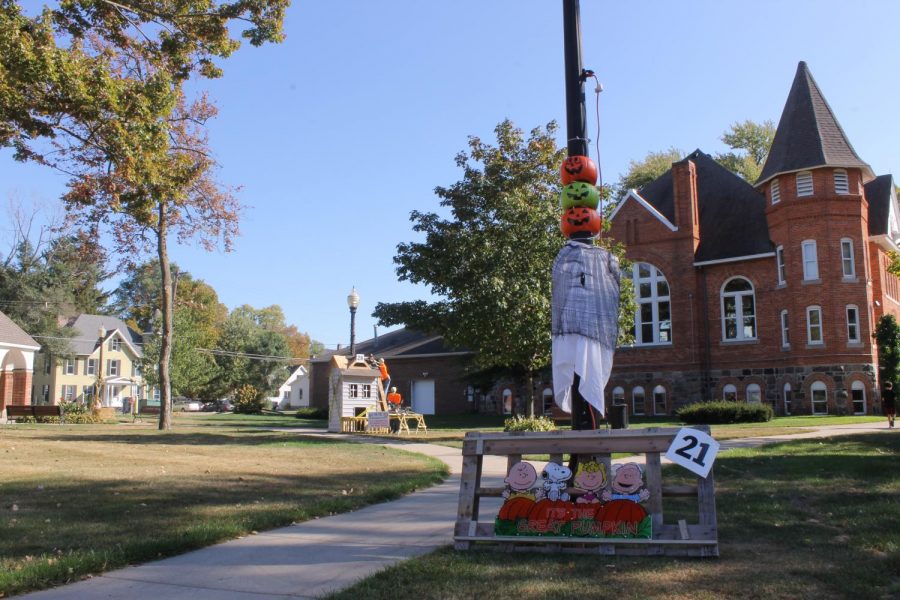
[[700, 361]]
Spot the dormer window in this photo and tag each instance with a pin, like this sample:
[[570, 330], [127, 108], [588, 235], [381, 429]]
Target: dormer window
[[841, 184], [775, 191], [804, 184]]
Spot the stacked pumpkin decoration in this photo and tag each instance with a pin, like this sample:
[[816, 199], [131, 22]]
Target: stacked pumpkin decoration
[[580, 198]]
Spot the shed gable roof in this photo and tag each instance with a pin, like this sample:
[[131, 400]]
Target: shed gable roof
[[808, 134]]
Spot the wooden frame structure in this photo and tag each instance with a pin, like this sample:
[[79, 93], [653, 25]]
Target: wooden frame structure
[[670, 539]]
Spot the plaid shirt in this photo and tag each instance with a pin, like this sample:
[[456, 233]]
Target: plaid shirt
[[586, 293]]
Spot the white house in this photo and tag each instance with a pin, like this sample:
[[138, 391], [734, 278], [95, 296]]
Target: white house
[[294, 392]]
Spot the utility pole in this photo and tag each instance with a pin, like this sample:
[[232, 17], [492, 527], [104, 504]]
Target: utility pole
[[576, 134]]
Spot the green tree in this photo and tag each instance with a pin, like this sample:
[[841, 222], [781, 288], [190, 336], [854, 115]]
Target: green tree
[[96, 89], [887, 337], [642, 172], [251, 354], [489, 262], [750, 143]]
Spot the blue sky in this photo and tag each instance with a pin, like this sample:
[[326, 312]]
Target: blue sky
[[341, 131]]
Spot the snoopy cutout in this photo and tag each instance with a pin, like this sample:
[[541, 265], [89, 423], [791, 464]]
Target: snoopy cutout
[[555, 477]]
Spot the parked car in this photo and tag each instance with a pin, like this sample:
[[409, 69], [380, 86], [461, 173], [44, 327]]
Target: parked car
[[187, 405], [223, 405]]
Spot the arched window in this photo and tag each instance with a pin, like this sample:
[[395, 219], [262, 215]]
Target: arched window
[[729, 392], [788, 396], [753, 393], [841, 185], [858, 396], [804, 184], [507, 401], [659, 400], [548, 401], [637, 401], [653, 318], [618, 395], [819, 392], [738, 310]]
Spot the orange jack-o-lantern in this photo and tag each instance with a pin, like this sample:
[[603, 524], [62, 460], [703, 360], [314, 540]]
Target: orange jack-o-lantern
[[620, 516], [578, 168], [580, 219]]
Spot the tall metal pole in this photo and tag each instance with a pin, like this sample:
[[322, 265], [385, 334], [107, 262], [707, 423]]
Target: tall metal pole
[[576, 133], [576, 115], [352, 332]]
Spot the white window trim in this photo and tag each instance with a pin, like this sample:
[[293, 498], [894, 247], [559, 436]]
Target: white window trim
[[753, 387], [845, 190], [775, 192], [656, 390], [634, 404], [654, 300], [803, 246], [785, 390], [849, 244], [813, 388], [858, 385], [858, 338], [90, 366], [70, 367], [809, 340], [779, 265], [785, 329], [729, 388], [802, 178], [739, 311]]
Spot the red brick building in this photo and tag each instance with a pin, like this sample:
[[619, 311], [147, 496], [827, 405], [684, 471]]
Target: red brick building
[[761, 292]]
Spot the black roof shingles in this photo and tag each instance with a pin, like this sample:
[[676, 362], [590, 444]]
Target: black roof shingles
[[808, 134], [732, 212], [878, 194]]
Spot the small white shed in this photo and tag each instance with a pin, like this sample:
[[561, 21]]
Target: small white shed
[[353, 387]]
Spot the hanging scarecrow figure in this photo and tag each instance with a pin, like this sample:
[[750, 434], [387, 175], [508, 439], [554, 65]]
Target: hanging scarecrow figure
[[585, 298]]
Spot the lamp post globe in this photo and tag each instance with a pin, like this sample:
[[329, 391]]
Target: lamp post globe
[[353, 304]]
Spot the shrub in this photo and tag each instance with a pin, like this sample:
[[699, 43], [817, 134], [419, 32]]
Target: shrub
[[75, 414], [726, 411], [311, 412], [248, 400], [522, 423]]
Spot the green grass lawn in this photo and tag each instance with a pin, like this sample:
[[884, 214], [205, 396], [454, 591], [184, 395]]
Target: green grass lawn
[[227, 419], [450, 430], [82, 499], [807, 519]]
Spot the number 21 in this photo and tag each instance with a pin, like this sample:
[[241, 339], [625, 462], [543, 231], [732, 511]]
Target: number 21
[[692, 443]]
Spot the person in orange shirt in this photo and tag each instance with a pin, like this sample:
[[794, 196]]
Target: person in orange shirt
[[394, 399], [385, 377]]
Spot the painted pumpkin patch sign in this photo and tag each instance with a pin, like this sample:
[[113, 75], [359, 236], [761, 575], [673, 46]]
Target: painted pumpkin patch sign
[[594, 506]]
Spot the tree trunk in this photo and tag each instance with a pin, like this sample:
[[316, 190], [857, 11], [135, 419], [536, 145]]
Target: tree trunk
[[529, 384], [165, 349]]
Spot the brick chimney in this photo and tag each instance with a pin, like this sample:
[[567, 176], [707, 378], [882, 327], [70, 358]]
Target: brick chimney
[[684, 192]]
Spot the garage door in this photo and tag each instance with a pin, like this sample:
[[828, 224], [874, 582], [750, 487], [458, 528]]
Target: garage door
[[423, 396]]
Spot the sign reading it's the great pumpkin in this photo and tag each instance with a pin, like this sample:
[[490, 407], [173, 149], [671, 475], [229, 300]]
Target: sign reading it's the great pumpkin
[[596, 507]]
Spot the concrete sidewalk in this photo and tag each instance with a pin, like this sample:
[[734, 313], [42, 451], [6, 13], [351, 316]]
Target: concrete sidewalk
[[317, 557]]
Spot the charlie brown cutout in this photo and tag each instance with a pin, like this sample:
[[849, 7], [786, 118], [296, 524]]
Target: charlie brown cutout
[[520, 481]]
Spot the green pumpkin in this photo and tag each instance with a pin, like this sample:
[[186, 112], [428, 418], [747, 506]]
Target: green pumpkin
[[580, 194]]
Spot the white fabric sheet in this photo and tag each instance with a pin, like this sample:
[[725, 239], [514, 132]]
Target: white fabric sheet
[[591, 359]]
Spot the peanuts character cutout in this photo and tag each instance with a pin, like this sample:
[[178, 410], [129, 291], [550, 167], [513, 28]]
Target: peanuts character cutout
[[520, 481], [555, 477], [590, 478], [627, 484]]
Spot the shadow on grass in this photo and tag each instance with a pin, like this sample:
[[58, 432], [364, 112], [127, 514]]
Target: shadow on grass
[[250, 437]]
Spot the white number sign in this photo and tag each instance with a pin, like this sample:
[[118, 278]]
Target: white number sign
[[694, 450]]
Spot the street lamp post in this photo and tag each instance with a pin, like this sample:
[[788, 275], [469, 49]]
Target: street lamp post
[[101, 333], [353, 303]]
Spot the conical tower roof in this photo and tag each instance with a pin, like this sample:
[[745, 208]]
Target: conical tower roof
[[809, 134]]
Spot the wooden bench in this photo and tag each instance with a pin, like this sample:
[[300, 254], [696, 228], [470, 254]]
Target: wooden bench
[[669, 539], [15, 411]]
